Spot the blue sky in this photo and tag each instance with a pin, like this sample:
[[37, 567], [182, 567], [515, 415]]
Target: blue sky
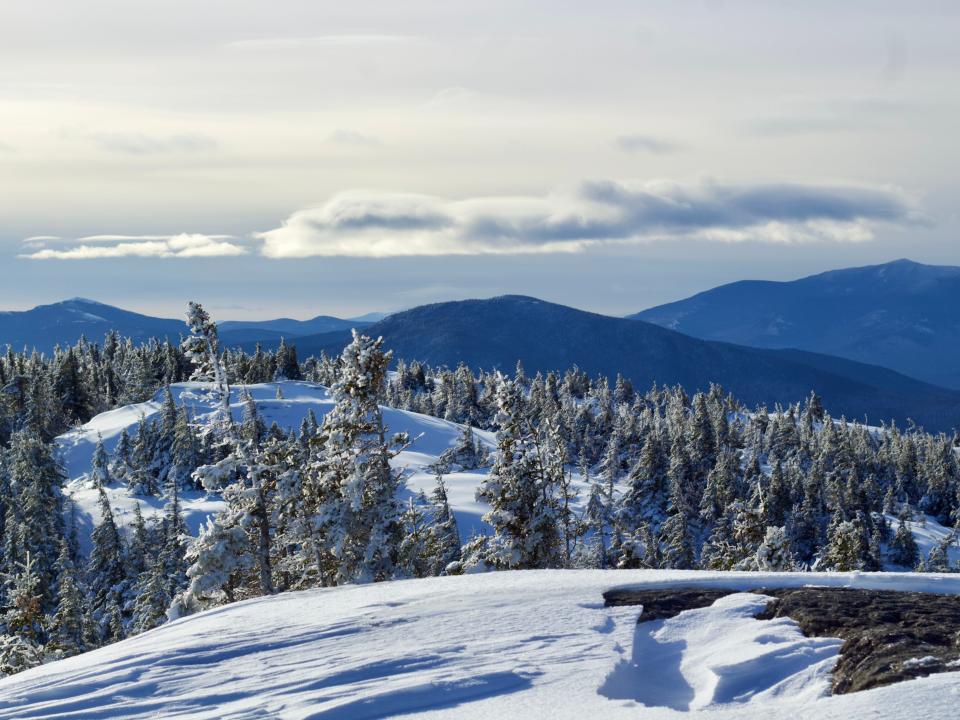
[[297, 158]]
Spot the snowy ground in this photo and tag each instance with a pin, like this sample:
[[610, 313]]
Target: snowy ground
[[537, 644], [432, 436], [929, 533]]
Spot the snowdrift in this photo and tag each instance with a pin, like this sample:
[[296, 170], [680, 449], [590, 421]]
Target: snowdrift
[[535, 644]]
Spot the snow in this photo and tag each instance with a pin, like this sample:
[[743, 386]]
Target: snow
[[720, 655], [432, 436], [510, 644], [929, 534]]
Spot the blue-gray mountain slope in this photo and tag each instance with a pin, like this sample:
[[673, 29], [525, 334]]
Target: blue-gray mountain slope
[[901, 315]]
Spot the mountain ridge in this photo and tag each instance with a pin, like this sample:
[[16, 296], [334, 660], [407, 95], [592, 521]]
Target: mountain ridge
[[496, 332], [897, 315]]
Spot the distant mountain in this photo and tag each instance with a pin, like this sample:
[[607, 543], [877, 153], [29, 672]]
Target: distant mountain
[[901, 315], [370, 317], [46, 326], [289, 327], [496, 333]]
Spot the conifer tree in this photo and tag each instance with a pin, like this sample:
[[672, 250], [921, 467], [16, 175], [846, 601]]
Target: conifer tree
[[521, 489], [903, 547], [105, 571], [25, 617], [100, 469], [352, 492], [443, 536], [67, 625]]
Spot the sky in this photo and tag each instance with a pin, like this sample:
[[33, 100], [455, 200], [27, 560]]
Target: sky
[[304, 157]]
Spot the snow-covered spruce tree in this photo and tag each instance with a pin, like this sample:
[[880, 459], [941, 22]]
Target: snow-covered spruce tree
[[152, 599], [217, 559], [351, 493], [522, 490], [722, 486], [287, 366], [938, 560], [248, 481], [24, 616], [66, 635], [903, 549], [848, 545], [677, 542], [598, 516], [100, 469], [647, 483], [105, 568], [468, 453], [203, 348], [142, 478], [172, 554], [185, 451], [443, 536], [121, 467], [774, 554], [413, 559], [137, 549], [18, 654], [34, 518]]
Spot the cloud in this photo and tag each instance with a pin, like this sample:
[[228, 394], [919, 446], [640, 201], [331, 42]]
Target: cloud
[[184, 245], [350, 137], [341, 40], [379, 224], [644, 143], [138, 144], [393, 224], [807, 116]]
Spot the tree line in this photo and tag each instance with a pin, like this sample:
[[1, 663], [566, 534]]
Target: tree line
[[584, 474]]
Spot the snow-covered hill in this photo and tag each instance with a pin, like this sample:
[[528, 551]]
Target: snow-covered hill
[[432, 437], [536, 644]]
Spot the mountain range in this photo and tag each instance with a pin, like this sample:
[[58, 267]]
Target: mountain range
[[902, 315], [46, 326], [496, 333], [874, 342]]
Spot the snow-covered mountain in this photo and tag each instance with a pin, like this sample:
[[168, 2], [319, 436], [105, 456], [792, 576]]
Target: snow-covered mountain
[[900, 315], [532, 644]]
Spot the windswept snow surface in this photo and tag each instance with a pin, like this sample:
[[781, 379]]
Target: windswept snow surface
[[431, 436], [536, 644]]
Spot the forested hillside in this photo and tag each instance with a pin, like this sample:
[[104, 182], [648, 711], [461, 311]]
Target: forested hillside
[[585, 473]]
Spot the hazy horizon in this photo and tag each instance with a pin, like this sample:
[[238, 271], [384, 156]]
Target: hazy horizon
[[344, 159], [240, 315]]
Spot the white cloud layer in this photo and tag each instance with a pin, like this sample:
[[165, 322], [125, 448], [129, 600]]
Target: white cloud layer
[[184, 245], [389, 224], [394, 224]]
